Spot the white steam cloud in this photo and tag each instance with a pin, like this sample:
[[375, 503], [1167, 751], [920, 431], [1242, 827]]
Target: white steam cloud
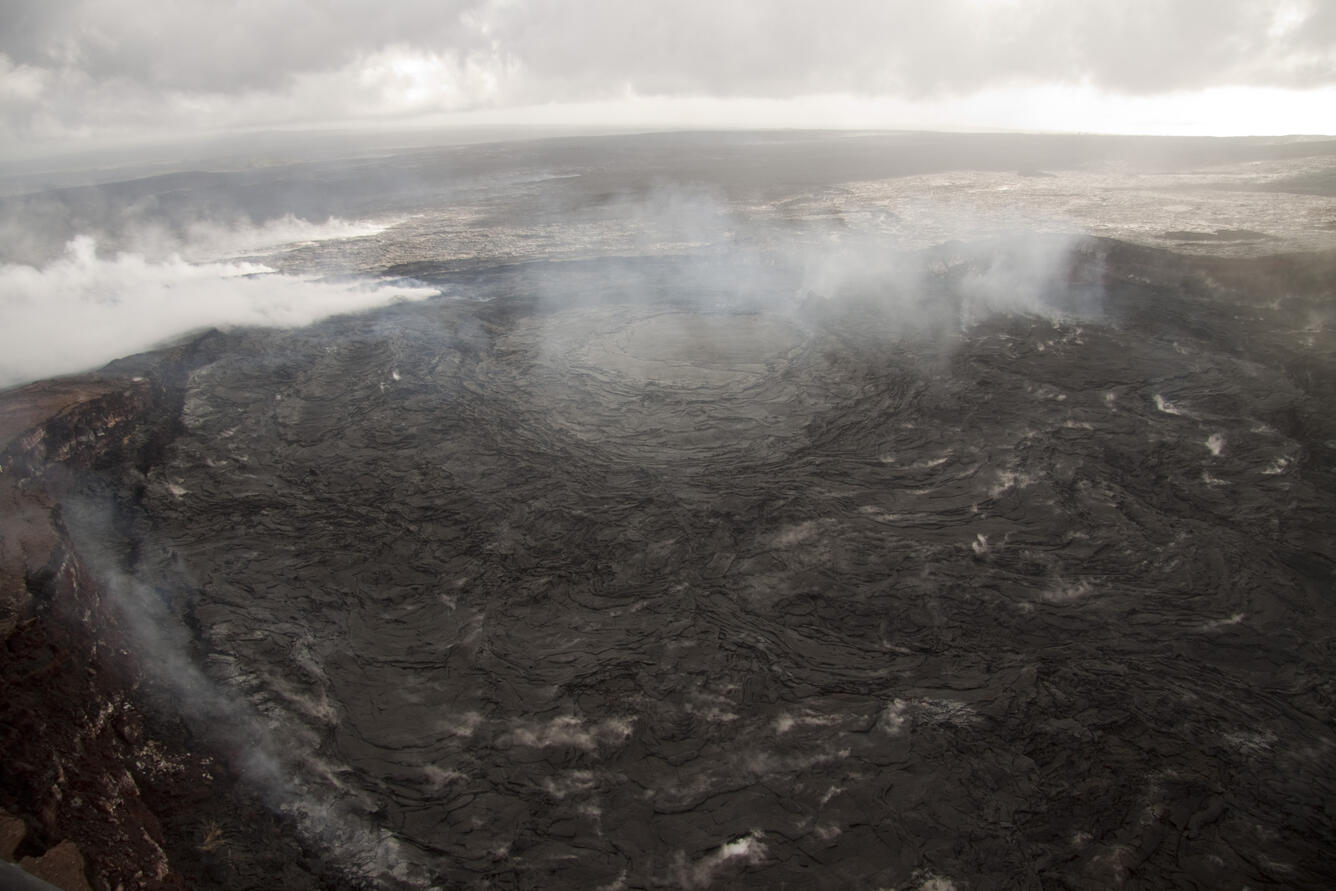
[[83, 310], [727, 257]]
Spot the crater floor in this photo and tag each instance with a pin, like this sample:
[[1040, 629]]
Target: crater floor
[[605, 593]]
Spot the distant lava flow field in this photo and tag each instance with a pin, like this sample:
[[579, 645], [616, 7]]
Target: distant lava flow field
[[625, 587]]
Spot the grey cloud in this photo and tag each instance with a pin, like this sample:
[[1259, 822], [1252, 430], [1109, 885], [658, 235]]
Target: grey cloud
[[30, 27], [207, 45], [92, 63], [691, 46], [913, 48], [80, 68]]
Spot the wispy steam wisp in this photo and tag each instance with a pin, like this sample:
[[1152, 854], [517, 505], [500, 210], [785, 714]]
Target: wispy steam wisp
[[274, 757]]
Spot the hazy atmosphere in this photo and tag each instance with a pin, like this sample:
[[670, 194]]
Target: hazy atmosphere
[[96, 72], [617, 445]]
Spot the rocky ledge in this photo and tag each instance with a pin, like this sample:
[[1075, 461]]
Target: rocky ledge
[[99, 787]]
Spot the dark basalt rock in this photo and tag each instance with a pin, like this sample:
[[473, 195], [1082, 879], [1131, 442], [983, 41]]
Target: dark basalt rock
[[585, 592], [71, 728], [94, 767]]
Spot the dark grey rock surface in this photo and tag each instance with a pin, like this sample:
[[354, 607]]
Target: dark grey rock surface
[[606, 588]]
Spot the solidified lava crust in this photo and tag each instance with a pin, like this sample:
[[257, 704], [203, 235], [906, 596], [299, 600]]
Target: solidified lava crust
[[596, 592]]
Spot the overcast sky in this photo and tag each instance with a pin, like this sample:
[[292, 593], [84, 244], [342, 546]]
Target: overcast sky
[[83, 72]]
